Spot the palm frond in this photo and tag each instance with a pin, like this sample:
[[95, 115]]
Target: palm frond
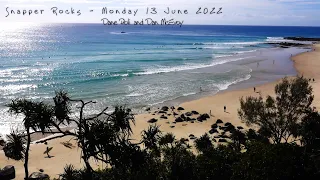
[[14, 148]]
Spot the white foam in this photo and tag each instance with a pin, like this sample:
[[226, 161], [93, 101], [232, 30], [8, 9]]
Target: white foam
[[122, 75], [281, 39], [221, 56], [276, 39], [242, 52], [221, 86], [9, 71], [134, 95], [224, 86], [165, 69], [9, 122], [19, 80], [16, 88], [220, 47], [24, 72], [237, 43], [188, 94]]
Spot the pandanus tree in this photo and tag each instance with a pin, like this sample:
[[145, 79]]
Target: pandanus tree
[[14, 147], [178, 161], [98, 135], [167, 140], [150, 139], [37, 117], [204, 143]]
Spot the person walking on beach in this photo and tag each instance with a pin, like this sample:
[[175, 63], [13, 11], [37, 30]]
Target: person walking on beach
[[254, 89], [225, 108], [47, 152]]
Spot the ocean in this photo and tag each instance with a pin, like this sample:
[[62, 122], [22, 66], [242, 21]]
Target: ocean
[[137, 66]]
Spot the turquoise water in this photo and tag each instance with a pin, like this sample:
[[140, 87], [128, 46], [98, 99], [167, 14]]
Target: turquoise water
[[144, 66]]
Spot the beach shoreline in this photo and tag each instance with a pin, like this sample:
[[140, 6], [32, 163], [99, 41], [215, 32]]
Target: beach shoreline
[[215, 103], [267, 72], [306, 64]]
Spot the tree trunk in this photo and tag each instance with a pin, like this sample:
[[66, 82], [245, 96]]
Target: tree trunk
[[86, 161], [26, 158], [85, 156], [83, 129], [88, 169]]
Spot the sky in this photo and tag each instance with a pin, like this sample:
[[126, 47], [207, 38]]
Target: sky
[[234, 12]]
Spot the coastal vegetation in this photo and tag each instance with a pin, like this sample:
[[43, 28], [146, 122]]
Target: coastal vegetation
[[283, 142]]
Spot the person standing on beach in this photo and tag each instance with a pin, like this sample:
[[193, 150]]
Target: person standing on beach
[[254, 89], [225, 108]]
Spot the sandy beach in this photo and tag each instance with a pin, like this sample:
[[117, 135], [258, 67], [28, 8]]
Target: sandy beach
[[306, 64]]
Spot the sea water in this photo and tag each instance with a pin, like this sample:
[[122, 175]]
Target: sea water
[[137, 66]]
